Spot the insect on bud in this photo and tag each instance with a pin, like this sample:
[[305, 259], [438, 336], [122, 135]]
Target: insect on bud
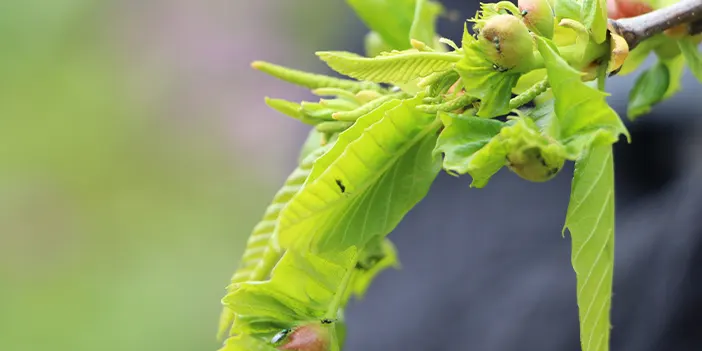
[[507, 43], [538, 16]]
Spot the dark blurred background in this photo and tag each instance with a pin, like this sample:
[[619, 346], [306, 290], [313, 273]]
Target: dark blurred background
[[136, 154]]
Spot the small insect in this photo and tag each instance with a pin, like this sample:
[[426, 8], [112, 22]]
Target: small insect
[[326, 321], [524, 13], [496, 41], [341, 186], [277, 338], [499, 69]]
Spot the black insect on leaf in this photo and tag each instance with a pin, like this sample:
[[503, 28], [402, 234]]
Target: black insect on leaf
[[341, 185]]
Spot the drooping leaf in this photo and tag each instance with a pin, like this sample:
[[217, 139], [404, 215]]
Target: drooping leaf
[[582, 110], [649, 89], [395, 68], [375, 173], [391, 19], [590, 221], [692, 55], [424, 22], [482, 79], [262, 252]]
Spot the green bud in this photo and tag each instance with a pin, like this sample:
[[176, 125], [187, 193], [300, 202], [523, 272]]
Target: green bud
[[507, 43], [534, 165], [538, 16]]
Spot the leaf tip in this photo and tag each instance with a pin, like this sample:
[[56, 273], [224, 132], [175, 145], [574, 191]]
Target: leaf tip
[[257, 65]]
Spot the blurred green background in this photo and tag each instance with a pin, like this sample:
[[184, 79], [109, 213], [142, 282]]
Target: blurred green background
[[136, 154]]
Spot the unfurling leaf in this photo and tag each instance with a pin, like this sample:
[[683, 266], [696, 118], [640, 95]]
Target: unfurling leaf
[[649, 89], [395, 68], [582, 110], [590, 221], [688, 47], [376, 171]]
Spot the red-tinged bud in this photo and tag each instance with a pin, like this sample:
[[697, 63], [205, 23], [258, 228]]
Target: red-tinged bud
[[617, 9], [507, 43], [311, 337], [538, 16]]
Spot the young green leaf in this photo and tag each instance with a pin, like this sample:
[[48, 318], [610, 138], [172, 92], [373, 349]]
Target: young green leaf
[[649, 89], [290, 109], [462, 137], [424, 23], [567, 9], [375, 173], [395, 68], [391, 19], [692, 55], [676, 67], [594, 17], [262, 252], [590, 221], [581, 109], [311, 80]]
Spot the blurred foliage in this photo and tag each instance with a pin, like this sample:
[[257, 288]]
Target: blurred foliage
[[118, 229]]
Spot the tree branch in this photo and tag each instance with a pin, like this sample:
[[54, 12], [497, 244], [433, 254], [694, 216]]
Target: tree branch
[[639, 28]]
